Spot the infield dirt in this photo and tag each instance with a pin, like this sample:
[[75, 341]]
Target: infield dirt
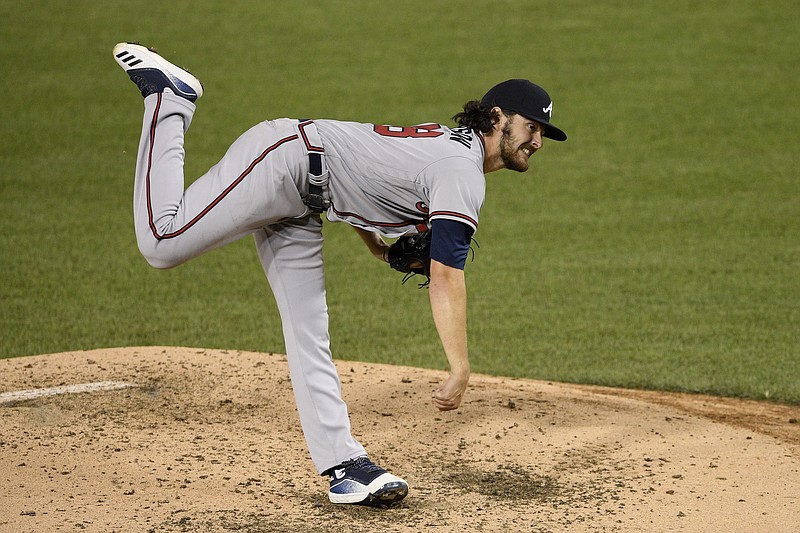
[[209, 440]]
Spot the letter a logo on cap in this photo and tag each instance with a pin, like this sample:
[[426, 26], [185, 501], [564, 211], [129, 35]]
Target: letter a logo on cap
[[527, 99]]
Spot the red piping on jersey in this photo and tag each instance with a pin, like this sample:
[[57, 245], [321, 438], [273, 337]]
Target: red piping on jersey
[[217, 200], [311, 148], [376, 224], [471, 221]]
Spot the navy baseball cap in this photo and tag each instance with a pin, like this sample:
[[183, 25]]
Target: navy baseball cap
[[527, 99]]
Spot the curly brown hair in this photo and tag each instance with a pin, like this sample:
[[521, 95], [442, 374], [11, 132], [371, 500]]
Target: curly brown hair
[[478, 116]]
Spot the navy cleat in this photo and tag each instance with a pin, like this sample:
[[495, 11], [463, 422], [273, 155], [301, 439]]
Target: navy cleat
[[362, 482], [153, 74]]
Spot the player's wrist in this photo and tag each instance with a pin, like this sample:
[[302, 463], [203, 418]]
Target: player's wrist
[[461, 372]]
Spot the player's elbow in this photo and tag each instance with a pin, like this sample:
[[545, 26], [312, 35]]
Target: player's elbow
[[446, 276]]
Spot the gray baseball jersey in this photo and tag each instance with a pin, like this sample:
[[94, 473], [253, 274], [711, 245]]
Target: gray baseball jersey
[[397, 179]]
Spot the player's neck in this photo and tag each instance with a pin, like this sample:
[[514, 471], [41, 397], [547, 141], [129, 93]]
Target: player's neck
[[492, 159]]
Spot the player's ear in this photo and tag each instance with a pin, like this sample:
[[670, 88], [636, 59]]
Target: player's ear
[[499, 119]]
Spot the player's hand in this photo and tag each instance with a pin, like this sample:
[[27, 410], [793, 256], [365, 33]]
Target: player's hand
[[450, 393]]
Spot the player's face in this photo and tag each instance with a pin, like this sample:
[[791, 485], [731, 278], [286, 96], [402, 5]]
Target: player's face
[[520, 139]]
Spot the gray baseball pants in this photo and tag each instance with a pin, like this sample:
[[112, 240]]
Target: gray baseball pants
[[254, 189]]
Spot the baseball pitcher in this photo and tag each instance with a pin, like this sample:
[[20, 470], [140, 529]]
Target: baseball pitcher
[[424, 184]]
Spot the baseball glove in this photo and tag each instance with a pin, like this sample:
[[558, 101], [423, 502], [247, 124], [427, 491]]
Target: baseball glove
[[411, 254]]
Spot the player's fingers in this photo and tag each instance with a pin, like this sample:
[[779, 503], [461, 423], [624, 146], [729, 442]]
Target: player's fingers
[[441, 397], [445, 403], [445, 406]]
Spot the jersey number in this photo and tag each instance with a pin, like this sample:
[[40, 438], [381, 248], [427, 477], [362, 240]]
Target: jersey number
[[413, 132]]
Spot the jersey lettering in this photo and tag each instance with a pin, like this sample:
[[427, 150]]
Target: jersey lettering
[[462, 135], [413, 132]]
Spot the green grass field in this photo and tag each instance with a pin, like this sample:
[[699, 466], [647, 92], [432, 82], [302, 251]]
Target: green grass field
[[658, 248]]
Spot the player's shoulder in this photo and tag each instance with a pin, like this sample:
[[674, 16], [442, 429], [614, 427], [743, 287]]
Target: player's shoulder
[[457, 137], [342, 125]]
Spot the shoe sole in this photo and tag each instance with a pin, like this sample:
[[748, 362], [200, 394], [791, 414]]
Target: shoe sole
[[391, 494], [133, 57]]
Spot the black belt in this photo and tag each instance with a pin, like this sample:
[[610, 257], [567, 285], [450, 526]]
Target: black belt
[[317, 181], [315, 163]]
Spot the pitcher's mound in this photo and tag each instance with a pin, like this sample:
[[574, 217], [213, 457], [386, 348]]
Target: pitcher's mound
[[208, 440]]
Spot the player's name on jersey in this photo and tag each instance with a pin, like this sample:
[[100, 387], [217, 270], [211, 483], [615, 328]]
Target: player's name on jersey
[[462, 135]]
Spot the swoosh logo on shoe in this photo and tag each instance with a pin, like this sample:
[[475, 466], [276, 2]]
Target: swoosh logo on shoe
[[338, 473]]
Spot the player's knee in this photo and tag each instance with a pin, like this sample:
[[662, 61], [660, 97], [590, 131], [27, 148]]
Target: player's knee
[[160, 263], [158, 257]]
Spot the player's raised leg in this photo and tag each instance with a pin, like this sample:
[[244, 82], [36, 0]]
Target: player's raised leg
[[250, 187]]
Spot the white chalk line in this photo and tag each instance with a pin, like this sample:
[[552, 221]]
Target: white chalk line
[[17, 396]]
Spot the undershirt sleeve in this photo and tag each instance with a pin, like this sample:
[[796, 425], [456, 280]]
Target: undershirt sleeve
[[450, 242]]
